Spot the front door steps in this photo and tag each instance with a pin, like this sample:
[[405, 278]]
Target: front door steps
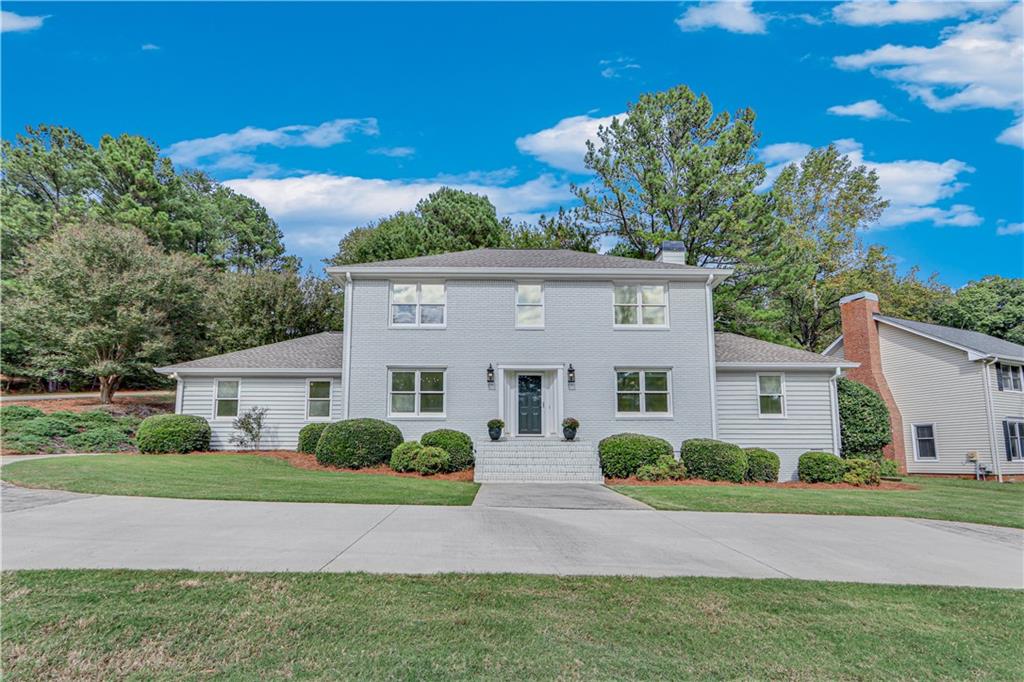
[[537, 460]]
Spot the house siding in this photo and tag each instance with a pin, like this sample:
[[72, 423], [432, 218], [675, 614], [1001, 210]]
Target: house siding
[[1005, 404], [808, 424]]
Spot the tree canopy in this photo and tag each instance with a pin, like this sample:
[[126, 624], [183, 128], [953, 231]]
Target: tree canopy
[[992, 305]]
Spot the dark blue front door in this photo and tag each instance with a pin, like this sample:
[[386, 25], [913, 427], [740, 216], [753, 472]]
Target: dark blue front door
[[531, 418]]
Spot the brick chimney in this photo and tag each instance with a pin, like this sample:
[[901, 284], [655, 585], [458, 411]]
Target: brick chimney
[[860, 344]]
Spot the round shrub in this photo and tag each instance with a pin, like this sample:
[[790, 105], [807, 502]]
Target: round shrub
[[862, 472], [173, 433], [357, 443], [17, 413], [762, 465], [430, 460], [665, 469], [457, 444], [713, 460], [623, 454], [402, 457], [309, 436], [102, 439], [820, 467], [47, 427], [863, 418]]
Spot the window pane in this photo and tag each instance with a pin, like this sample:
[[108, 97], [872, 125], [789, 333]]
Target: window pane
[[432, 314], [1016, 378], [528, 293], [654, 315], [628, 402], [653, 295], [403, 381], [529, 316], [431, 381], [625, 314], [227, 408], [770, 384], [926, 448], [771, 404], [431, 293], [656, 402], [403, 293], [432, 403], [227, 389], [625, 294], [656, 381], [925, 431], [403, 314], [403, 402], [319, 389], [319, 408], [628, 381]]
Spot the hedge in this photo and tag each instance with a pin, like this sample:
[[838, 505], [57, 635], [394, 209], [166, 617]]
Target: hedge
[[623, 454], [820, 467], [357, 443], [863, 418], [102, 439], [430, 460], [862, 472], [402, 456], [762, 465], [457, 444], [179, 433], [713, 460], [309, 436], [665, 469]]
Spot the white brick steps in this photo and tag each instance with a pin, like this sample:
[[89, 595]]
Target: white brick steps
[[541, 460]]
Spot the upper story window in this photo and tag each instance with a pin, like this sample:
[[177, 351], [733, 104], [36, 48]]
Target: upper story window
[[1009, 377], [644, 305], [318, 399], [529, 305], [924, 441], [417, 304], [771, 395], [642, 391], [226, 402]]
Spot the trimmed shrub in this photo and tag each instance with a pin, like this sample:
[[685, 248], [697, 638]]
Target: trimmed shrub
[[13, 414], [713, 460], [102, 439], [665, 469], [357, 443], [623, 454], [862, 472], [309, 435], [820, 467], [457, 444], [403, 456], [863, 418], [47, 427], [762, 465], [179, 433], [888, 468], [25, 444], [430, 460]]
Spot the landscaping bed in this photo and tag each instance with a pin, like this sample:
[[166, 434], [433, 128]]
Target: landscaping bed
[[784, 485], [308, 461]]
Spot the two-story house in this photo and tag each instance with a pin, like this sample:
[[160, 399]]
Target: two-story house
[[530, 337]]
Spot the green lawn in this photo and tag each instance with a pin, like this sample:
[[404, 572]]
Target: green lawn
[[938, 498], [229, 477], [181, 625]]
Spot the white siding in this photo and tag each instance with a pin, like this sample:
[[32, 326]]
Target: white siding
[[1005, 404], [284, 396], [807, 425]]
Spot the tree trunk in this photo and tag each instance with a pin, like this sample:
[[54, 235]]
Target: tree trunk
[[107, 387]]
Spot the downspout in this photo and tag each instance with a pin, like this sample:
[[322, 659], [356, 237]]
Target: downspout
[[713, 376], [346, 363], [179, 391], [833, 392], [990, 413]]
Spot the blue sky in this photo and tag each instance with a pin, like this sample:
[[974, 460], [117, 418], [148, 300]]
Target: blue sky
[[334, 114]]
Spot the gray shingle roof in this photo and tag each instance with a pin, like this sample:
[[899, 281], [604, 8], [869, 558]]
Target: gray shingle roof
[[743, 349], [525, 258], [316, 351], [976, 341]]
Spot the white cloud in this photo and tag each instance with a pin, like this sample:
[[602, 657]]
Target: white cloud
[[867, 109], [394, 152], [1006, 228], [1014, 134], [736, 16], [148, 47], [613, 68], [10, 22], [210, 149], [882, 12], [564, 145]]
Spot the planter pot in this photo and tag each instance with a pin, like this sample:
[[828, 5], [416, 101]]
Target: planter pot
[[495, 434], [570, 434]]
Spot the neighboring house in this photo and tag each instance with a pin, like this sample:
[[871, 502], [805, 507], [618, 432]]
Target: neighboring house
[[531, 337], [953, 395]]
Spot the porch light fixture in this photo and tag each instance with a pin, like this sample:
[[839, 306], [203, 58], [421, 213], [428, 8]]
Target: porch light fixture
[[572, 374], [490, 374]]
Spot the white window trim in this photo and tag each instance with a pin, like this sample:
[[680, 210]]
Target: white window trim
[[642, 414], [639, 307], [216, 390], [330, 399], [935, 440], [416, 325], [1020, 373], [515, 293], [1020, 440], [758, 394], [417, 415]]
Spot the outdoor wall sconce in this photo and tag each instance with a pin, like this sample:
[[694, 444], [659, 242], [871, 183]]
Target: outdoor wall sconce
[[572, 374], [490, 374]]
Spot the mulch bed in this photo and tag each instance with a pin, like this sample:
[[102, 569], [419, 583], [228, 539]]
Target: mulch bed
[[790, 485], [302, 460]]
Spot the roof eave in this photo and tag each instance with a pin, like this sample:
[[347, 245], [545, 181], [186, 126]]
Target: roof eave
[[788, 365], [377, 272], [239, 371]]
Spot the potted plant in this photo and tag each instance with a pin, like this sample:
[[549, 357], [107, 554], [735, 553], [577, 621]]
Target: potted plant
[[569, 426], [494, 428]]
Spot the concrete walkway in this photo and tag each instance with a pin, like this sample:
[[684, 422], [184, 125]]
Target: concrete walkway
[[553, 496], [79, 531]]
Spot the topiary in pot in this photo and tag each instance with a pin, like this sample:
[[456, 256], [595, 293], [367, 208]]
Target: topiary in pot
[[309, 436], [357, 443], [402, 457], [181, 433], [457, 444], [713, 460], [623, 454], [820, 467], [762, 465], [569, 427], [494, 428], [428, 461]]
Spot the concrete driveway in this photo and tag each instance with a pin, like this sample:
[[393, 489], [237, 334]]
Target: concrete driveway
[[62, 530]]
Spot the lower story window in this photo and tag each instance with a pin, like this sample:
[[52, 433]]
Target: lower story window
[[1013, 429], [924, 441], [226, 404], [416, 392], [318, 399], [642, 391]]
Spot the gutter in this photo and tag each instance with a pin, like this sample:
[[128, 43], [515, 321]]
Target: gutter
[[788, 365], [713, 373], [650, 274], [346, 362], [990, 413]]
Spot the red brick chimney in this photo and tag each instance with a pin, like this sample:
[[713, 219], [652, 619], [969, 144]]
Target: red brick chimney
[[860, 344]]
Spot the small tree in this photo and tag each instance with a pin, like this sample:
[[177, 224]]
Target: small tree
[[863, 420], [250, 428]]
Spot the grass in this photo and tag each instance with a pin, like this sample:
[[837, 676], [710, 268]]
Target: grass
[[938, 498], [229, 477], [179, 625]]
